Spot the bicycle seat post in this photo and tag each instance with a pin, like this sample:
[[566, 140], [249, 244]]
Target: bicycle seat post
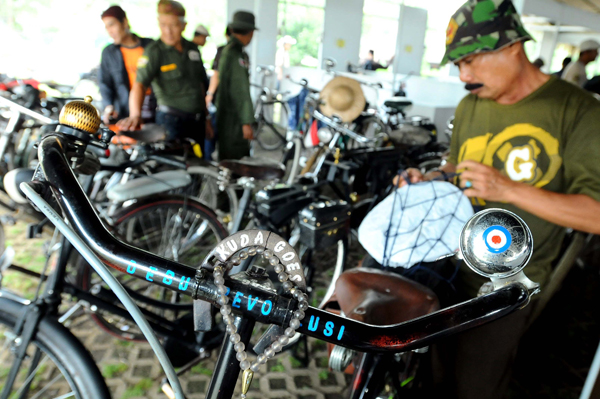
[[248, 185]]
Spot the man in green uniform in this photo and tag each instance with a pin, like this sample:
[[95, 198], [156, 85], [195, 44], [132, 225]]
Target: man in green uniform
[[524, 141], [174, 68], [235, 112]]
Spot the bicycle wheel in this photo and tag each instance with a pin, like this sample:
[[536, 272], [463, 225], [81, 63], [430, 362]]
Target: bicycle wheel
[[56, 365], [173, 227], [205, 188], [271, 130]]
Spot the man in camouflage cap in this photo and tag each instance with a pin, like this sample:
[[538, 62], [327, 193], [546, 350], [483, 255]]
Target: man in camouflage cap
[[482, 26], [173, 66], [523, 141]]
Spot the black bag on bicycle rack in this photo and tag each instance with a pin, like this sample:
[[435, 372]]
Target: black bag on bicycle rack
[[324, 223], [279, 203]]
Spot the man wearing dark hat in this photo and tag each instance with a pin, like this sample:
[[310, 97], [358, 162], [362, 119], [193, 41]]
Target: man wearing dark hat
[[174, 68], [235, 112], [118, 67], [524, 141]]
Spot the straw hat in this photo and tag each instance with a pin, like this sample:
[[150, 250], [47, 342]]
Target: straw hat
[[342, 97]]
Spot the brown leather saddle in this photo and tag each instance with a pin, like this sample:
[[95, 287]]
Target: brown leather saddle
[[259, 169], [381, 298]]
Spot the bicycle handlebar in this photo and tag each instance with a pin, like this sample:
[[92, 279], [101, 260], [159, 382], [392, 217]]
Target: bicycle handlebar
[[345, 131], [254, 302], [304, 83], [26, 111]]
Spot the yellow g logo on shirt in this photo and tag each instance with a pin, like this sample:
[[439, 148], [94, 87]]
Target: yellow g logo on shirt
[[521, 164], [524, 152]]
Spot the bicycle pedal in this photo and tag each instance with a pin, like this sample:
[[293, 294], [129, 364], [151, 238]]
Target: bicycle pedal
[[33, 231], [168, 391]]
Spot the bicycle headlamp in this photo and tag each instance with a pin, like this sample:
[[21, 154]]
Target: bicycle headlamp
[[496, 243], [325, 135], [81, 115]]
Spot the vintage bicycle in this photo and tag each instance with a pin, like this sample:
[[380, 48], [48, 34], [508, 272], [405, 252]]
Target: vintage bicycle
[[36, 337]]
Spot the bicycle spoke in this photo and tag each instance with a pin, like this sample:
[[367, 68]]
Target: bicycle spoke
[[38, 395], [196, 237], [31, 376]]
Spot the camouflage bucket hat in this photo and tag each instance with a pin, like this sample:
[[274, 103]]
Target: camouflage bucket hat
[[480, 26]]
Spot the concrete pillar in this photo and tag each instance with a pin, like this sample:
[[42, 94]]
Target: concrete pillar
[[547, 46], [238, 5], [519, 5], [265, 39], [342, 29], [410, 43]]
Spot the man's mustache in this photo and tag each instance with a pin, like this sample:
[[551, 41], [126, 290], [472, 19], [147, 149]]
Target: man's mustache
[[473, 86]]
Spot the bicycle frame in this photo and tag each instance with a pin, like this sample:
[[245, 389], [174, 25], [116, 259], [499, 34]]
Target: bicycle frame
[[269, 307]]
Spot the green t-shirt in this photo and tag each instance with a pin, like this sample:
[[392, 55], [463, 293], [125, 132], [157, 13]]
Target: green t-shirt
[[176, 78], [549, 140]]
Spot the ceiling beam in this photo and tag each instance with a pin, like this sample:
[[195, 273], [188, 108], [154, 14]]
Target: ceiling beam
[[561, 13]]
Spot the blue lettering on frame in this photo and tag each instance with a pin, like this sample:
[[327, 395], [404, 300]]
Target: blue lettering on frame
[[150, 274], [328, 332], [266, 312], [313, 324], [251, 303], [228, 291], [131, 267], [168, 280], [237, 299], [183, 283], [341, 332]]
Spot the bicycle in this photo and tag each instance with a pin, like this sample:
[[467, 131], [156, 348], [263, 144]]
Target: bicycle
[[270, 114], [252, 298]]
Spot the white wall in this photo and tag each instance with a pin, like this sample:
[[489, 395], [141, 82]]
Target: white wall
[[342, 29]]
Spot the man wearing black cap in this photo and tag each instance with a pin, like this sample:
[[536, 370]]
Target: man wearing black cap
[[235, 112], [118, 67]]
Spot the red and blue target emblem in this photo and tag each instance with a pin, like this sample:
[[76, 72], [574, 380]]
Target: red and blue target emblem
[[497, 239]]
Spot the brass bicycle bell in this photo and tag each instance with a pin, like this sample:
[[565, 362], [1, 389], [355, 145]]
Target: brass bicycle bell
[[81, 115]]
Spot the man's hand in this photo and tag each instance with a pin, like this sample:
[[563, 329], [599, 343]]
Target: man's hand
[[414, 175], [209, 99], [248, 133], [109, 112], [130, 123], [485, 182], [209, 132]]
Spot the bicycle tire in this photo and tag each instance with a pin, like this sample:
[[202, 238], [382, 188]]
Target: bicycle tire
[[125, 224], [268, 137], [61, 347], [272, 139]]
